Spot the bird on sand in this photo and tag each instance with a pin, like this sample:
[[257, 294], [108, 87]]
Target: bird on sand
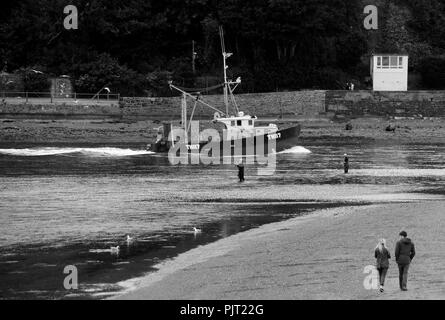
[[129, 240], [115, 250]]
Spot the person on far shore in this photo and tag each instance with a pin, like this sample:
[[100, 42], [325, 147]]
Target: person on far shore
[[241, 171], [346, 164], [382, 264], [404, 254]]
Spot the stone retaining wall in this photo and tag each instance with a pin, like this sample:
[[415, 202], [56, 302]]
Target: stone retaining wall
[[296, 104]]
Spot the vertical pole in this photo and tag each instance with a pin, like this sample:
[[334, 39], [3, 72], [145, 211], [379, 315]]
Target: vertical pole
[[184, 116], [223, 48], [193, 56], [226, 98], [26, 96]]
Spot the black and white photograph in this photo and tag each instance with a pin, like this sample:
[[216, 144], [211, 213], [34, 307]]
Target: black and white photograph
[[222, 150]]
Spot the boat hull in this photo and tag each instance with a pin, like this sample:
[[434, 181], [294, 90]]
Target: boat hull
[[257, 145]]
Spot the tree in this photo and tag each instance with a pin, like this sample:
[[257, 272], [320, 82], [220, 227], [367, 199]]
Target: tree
[[432, 70]]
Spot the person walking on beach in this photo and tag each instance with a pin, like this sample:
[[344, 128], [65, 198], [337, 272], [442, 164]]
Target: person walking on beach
[[346, 164], [404, 254], [382, 264], [241, 171]]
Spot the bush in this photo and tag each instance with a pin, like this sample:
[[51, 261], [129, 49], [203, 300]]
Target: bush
[[432, 70], [106, 71], [158, 83], [328, 79], [34, 80]]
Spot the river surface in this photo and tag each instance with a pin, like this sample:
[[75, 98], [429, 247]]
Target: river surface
[[68, 205]]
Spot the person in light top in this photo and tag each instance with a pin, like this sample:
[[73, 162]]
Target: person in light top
[[382, 256]]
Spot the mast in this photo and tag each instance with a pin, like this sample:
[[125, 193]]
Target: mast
[[228, 89], [184, 114], [193, 57], [225, 56]]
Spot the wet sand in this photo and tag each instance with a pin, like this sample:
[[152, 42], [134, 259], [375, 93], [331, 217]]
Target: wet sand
[[318, 256], [140, 132]]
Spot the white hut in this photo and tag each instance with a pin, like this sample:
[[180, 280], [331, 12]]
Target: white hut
[[389, 72]]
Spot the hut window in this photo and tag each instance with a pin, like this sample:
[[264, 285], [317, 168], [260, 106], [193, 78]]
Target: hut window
[[393, 62], [390, 62]]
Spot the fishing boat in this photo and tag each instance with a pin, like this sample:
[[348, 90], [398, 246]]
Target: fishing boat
[[239, 134]]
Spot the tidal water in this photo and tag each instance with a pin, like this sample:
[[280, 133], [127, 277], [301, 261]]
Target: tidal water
[[68, 205]]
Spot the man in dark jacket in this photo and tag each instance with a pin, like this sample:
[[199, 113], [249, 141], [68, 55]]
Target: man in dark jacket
[[346, 164], [241, 171], [405, 253]]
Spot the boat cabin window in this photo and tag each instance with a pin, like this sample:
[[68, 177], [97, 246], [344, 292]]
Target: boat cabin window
[[239, 123]]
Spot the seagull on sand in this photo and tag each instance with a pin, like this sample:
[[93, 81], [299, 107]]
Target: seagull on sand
[[114, 250], [129, 240]]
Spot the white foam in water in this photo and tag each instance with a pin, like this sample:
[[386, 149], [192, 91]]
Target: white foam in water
[[36, 152], [296, 149]]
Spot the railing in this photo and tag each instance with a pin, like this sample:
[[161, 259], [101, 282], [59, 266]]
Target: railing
[[48, 97]]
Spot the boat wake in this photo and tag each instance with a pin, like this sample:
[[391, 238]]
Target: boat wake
[[98, 152], [295, 150]]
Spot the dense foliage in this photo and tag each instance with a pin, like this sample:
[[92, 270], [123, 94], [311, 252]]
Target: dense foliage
[[135, 46]]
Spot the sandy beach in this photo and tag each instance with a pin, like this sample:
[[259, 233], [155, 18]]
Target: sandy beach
[[319, 256]]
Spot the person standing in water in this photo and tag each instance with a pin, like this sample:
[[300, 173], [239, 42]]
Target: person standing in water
[[346, 163], [241, 171], [382, 255], [405, 253]]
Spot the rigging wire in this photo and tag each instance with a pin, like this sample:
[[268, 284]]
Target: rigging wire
[[195, 90]]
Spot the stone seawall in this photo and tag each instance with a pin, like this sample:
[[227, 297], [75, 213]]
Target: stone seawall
[[286, 104], [303, 104], [42, 109], [296, 104], [403, 104]]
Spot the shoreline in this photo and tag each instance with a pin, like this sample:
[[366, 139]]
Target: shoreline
[[141, 132], [226, 269]]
